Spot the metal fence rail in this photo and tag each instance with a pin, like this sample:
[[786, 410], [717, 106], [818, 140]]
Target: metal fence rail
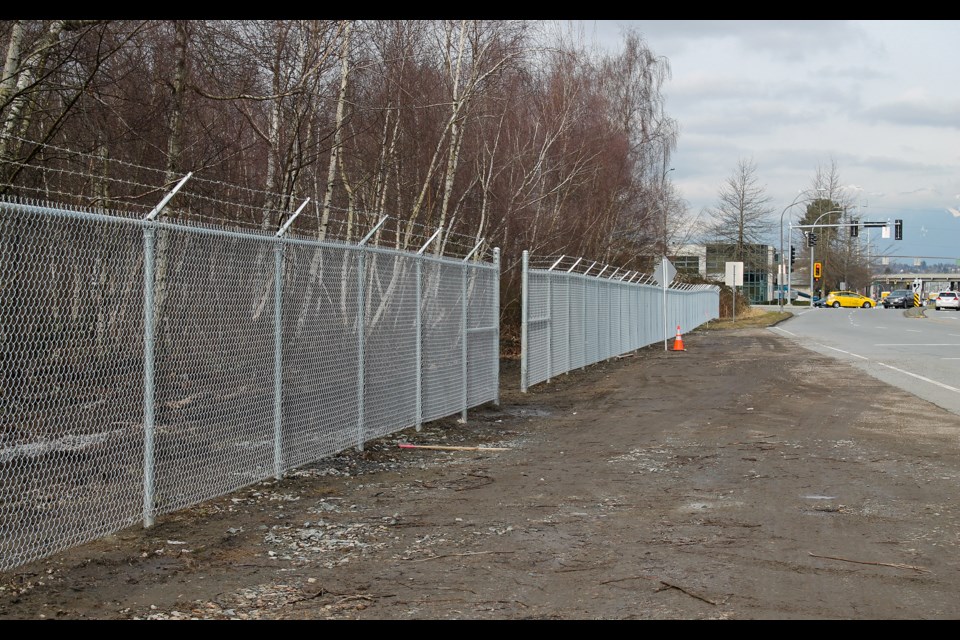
[[149, 366], [572, 318]]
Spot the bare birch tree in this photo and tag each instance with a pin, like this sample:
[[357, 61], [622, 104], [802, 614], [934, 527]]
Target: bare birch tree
[[836, 251], [742, 216], [46, 73], [484, 128]]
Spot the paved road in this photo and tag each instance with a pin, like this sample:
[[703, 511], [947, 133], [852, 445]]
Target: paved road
[[917, 350]]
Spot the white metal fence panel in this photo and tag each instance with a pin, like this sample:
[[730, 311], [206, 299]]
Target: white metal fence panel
[[604, 349], [536, 330], [571, 320], [148, 366], [591, 332], [576, 311], [558, 294]]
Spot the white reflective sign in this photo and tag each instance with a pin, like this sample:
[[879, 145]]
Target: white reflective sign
[[665, 273], [734, 274]]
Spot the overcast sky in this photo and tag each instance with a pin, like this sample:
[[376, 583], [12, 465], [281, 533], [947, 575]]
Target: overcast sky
[[879, 98]]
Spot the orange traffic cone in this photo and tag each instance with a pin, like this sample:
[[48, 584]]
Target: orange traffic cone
[[678, 341]]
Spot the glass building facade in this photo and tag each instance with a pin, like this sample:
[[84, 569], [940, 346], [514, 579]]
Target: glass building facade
[[759, 268]]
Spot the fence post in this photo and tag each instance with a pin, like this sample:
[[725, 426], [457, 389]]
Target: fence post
[[615, 348], [419, 342], [463, 322], [583, 314], [569, 326], [524, 321], [149, 356], [569, 280], [496, 330], [362, 329], [611, 320], [361, 336], [550, 323], [619, 285], [419, 322], [278, 358], [278, 265], [463, 342], [149, 381], [596, 305]]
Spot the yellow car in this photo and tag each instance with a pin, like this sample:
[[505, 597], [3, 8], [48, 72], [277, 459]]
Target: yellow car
[[848, 299]]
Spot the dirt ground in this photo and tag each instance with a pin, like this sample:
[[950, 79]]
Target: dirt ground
[[744, 478]]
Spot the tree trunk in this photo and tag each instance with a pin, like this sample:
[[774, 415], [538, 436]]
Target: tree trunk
[[175, 121], [11, 65], [337, 135]]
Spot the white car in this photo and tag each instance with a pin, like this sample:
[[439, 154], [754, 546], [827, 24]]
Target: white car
[[947, 300]]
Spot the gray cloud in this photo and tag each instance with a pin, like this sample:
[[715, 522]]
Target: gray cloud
[[941, 114]]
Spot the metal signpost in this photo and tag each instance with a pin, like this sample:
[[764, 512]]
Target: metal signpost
[[664, 275], [733, 278]]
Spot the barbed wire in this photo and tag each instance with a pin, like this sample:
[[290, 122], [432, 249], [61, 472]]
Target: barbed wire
[[92, 200], [74, 152], [341, 224], [70, 198], [603, 271]]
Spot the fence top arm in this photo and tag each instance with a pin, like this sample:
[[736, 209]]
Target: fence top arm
[[370, 233], [157, 209], [286, 225]]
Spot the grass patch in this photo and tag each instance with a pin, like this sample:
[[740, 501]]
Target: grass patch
[[750, 318]]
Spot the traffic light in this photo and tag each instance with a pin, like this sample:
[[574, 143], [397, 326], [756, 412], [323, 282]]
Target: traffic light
[[817, 270], [898, 229], [811, 239], [793, 254], [855, 228]]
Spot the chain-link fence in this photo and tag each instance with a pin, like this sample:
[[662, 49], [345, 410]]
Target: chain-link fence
[[573, 318], [148, 366]]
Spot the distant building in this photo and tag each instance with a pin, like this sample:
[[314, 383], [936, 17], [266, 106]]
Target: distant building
[[710, 261], [759, 269], [690, 258]]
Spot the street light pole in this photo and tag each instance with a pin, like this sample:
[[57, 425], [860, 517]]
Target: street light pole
[[790, 267], [813, 226], [812, 247], [663, 204], [663, 260], [781, 272]]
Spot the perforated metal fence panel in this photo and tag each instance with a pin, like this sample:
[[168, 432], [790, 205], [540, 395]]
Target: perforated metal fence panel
[[571, 320]]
